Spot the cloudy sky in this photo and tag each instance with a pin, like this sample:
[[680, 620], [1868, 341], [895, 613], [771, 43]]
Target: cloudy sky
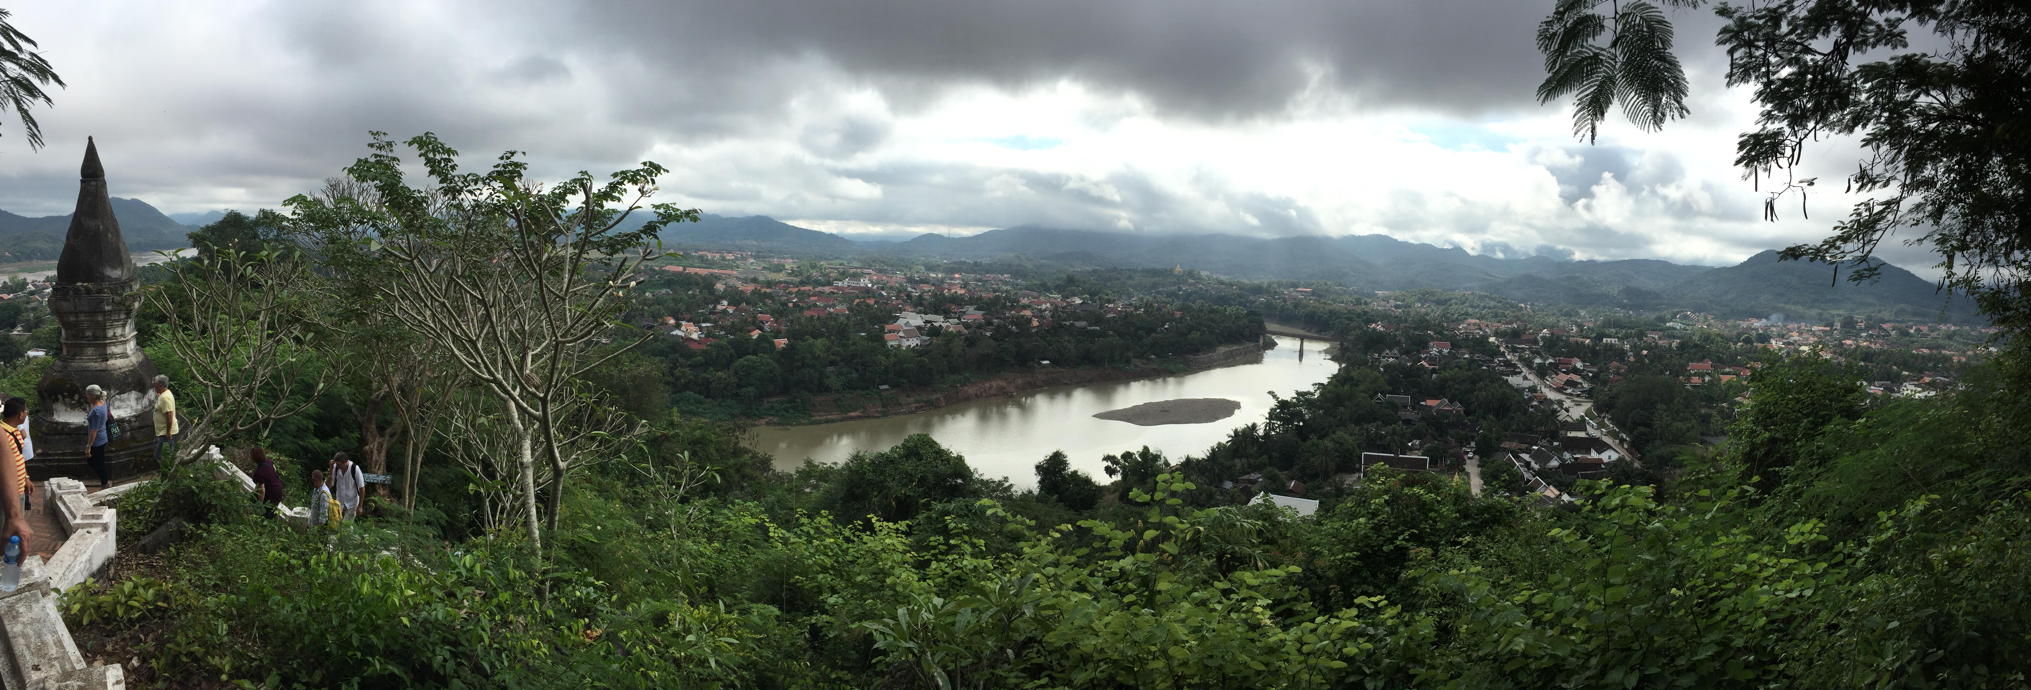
[[1266, 117]]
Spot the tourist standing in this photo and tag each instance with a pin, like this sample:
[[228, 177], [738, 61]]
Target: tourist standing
[[95, 432], [13, 461], [320, 500], [166, 425], [13, 415], [347, 484], [269, 481]]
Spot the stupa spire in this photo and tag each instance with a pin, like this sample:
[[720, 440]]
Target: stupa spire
[[94, 250], [91, 169]]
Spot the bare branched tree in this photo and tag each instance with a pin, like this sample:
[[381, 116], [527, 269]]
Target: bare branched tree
[[517, 284], [245, 325], [480, 435]]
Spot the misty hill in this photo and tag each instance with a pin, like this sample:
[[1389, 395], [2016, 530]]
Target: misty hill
[[1295, 258], [753, 233], [1757, 287], [36, 239], [199, 219]]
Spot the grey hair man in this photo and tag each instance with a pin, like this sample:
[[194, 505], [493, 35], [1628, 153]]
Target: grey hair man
[[166, 424], [97, 428]]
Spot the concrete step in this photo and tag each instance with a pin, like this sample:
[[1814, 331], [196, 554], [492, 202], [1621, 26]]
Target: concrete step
[[39, 646]]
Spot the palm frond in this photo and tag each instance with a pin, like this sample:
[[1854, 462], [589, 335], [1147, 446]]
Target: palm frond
[[1634, 68], [23, 74]]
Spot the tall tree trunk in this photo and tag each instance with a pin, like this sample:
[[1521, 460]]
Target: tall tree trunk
[[375, 439], [412, 459], [557, 467], [525, 458], [416, 432]]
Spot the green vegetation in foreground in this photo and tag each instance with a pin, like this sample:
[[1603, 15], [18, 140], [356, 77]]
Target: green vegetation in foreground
[[1879, 548]]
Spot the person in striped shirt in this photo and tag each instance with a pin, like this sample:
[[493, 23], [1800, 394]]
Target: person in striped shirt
[[13, 414]]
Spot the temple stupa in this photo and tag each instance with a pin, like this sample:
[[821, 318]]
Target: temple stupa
[[94, 300]]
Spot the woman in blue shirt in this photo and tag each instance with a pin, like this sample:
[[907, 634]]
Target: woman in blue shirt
[[95, 432]]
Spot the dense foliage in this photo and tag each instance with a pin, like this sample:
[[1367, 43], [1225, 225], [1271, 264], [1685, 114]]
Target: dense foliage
[[1886, 557]]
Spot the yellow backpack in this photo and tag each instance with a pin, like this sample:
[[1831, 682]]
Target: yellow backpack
[[332, 511]]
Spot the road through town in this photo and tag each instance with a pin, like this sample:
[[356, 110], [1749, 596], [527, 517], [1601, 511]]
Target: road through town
[[1573, 408]]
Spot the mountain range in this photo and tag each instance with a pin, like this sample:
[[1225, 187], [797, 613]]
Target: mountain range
[[23, 238], [1760, 286]]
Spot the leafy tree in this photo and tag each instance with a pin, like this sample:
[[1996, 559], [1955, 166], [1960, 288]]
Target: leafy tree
[[758, 376], [1500, 476], [1069, 487], [1936, 90], [1790, 403], [894, 484], [237, 231], [23, 73], [1135, 468]]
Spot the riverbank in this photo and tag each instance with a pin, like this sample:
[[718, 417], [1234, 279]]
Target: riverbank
[[844, 407]]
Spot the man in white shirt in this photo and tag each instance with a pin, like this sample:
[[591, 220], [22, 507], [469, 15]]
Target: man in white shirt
[[348, 484]]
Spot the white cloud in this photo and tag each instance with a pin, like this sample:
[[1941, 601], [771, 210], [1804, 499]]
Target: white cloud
[[246, 103]]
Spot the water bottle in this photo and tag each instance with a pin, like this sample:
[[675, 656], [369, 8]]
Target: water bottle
[[10, 576]]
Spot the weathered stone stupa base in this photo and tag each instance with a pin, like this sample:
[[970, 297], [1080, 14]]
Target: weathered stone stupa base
[[59, 424]]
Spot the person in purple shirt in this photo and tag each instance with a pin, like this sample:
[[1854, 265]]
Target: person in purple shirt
[[269, 481]]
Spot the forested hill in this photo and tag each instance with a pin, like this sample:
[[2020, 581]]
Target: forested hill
[[1763, 284], [36, 239], [1758, 287]]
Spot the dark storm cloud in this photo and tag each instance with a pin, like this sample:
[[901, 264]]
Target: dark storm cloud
[[844, 137], [1207, 58]]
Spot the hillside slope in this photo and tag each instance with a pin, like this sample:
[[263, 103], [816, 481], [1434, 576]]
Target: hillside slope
[[1763, 285], [37, 239]]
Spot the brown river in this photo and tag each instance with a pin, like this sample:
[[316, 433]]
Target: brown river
[[1005, 437]]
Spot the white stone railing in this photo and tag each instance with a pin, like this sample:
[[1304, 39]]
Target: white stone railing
[[92, 529], [225, 469], [39, 652]]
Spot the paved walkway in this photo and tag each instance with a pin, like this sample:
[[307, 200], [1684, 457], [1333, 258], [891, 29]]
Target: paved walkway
[[49, 535], [1474, 475]]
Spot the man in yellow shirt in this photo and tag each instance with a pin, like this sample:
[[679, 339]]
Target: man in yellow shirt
[[165, 419], [14, 478]]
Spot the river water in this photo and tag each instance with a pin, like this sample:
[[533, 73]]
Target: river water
[[46, 270], [1005, 437]]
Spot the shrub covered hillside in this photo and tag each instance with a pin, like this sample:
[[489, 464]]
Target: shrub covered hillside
[[1877, 547]]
